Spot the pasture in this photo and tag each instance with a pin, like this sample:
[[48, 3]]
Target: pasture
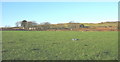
[[58, 45]]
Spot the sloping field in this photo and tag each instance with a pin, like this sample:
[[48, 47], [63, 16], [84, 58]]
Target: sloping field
[[58, 45], [101, 24]]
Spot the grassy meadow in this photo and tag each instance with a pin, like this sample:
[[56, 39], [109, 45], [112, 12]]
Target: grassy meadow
[[58, 45]]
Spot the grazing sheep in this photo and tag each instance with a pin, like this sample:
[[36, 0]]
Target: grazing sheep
[[75, 39]]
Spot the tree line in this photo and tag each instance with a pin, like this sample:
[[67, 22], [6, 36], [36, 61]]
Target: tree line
[[32, 25]]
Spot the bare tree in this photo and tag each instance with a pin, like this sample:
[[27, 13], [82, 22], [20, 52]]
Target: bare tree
[[45, 25], [18, 24], [71, 22]]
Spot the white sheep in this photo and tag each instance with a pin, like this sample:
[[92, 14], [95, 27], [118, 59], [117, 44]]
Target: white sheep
[[75, 39]]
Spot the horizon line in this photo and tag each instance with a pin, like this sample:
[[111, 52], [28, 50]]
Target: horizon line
[[68, 22]]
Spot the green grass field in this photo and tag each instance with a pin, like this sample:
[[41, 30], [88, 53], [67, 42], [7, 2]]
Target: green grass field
[[57, 45]]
